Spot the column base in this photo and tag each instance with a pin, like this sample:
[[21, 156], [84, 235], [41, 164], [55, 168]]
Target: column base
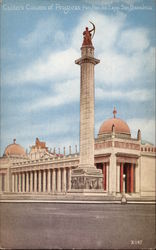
[[86, 178]]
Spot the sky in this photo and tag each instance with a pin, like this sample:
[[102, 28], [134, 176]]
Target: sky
[[40, 82]]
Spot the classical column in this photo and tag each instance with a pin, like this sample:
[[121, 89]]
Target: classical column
[[31, 181], [19, 182], [35, 181], [69, 178], [54, 180], [39, 181], [27, 181], [13, 182], [58, 180], [86, 171], [107, 176], [118, 178], [23, 182], [121, 177], [104, 176], [49, 181], [128, 178], [64, 180], [44, 180], [132, 178], [0, 182]]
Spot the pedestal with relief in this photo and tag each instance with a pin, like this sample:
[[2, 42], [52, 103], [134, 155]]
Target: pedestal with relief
[[86, 176]]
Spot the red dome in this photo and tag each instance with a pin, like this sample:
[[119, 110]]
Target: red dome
[[14, 149], [119, 126]]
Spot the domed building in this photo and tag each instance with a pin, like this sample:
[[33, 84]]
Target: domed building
[[14, 150], [116, 125], [127, 165], [112, 165]]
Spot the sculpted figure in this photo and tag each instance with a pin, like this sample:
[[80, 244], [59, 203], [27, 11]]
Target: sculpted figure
[[88, 36]]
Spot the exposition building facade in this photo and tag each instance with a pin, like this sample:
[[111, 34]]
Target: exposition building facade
[[108, 165]]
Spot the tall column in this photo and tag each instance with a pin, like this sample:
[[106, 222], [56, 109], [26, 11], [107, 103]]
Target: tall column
[[44, 180], [39, 181], [121, 177], [131, 179], [64, 180], [87, 63], [35, 181], [49, 180], [53, 180], [83, 176], [27, 181], [23, 182], [58, 180]]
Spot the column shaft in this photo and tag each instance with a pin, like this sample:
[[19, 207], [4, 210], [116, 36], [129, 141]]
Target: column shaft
[[104, 176], [13, 183], [31, 181], [121, 177], [107, 176], [27, 181], [118, 178], [19, 182], [64, 180], [15, 186], [23, 182], [69, 179], [49, 180], [44, 180], [39, 181], [58, 180], [128, 178], [132, 179], [53, 180], [35, 181]]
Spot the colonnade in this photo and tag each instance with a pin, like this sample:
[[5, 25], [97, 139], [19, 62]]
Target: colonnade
[[129, 170], [47, 180]]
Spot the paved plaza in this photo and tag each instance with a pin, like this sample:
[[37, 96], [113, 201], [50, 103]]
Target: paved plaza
[[78, 226]]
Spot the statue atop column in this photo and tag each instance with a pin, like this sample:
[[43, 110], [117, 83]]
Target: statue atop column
[[88, 36]]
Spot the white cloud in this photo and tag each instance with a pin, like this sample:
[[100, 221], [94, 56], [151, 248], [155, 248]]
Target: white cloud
[[54, 127], [65, 92], [58, 65], [119, 69], [147, 127], [133, 40], [45, 29], [137, 95], [116, 67]]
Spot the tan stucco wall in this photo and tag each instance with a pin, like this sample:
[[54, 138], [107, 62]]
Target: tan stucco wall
[[148, 175]]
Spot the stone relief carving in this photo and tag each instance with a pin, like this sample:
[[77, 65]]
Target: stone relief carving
[[86, 182]]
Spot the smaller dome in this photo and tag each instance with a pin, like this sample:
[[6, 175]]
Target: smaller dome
[[116, 124], [119, 126], [14, 149]]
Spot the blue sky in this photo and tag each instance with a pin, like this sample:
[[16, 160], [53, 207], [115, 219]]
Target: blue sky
[[40, 41]]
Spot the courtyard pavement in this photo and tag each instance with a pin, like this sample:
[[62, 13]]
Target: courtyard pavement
[[76, 226]]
